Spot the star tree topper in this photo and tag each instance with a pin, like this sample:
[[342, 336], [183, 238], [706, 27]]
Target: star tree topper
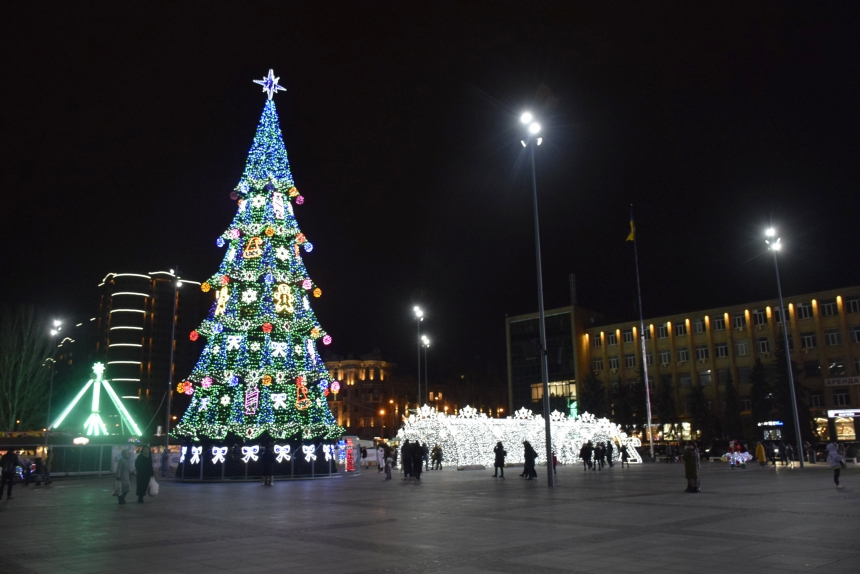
[[270, 84]]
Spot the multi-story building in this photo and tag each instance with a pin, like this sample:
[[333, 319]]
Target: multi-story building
[[703, 347], [367, 404]]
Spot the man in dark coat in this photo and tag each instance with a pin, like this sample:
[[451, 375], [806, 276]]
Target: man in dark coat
[[417, 460], [406, 458], [530, 457], [143, 468], [609, 453], [8, 462], [499, 464]]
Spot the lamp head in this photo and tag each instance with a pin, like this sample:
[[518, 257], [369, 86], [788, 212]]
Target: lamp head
[[57, 323], [526, 117], [534, 128], [770, 232], [776, 246]]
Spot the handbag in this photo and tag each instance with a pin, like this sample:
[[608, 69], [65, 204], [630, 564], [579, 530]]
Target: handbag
[[117, 485], [153, 487]]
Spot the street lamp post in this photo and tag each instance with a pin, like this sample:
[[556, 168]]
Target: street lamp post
[[419, 316], [774, 245], [530, 142], [176, 285], [54, 331], [426, 343]]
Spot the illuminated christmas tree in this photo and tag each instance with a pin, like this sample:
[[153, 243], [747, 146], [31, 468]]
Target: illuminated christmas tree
[[261, 371]]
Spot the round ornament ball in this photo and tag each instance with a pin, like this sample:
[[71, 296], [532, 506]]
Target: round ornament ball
[[315, 332], [235, 233], [217, 327], [219, 242], [317, 292], [234, 196], [205, 287], [269, 278], [267, 380], [224, 280], [309, 246], [180, 387], [300, 380], [306, 284], [270, 187], [194, 335], [189, 389], [234, 380], [269, 232], [206, 382], [300, 199], [300, 238], [267, 327], [335, 387], [327, 340]]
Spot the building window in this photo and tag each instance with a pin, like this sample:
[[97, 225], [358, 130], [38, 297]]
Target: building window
[[853, 305], [611, 339], [704, 377], [777, 316], [662, 331], [855, 334], [680, 329], [828, 308], [744, 375], [721, 350], [647, 333], [763, 345], [832, 337], [746, 404], [816, 400], [597, 365], [597, 341], [665, 357], [613, 363], [804, 311], [812, 368], [702, 352], [739, 321], [719, 324], [742, 348], [699, 325], [649, 359], [628, 336], [836, 366], [759, 317], [683, 354], [684, 379], [629, 361], [841, 398], [807, 340]]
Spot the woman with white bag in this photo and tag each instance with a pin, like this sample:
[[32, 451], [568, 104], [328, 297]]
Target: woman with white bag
[[143, 467]]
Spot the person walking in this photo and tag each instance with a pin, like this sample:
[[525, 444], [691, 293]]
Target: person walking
[[837, 463], [789, 455], [436, 457], [364, 462], [388, 462], [380, 458], [122, 470], [609, 450], [625, 456], [599, 455], [499, 464], [554, 462], [760, 454], [691, 468], [165, 461], [586, 452], [143, 468], [268, 460], [406, 459], [425, 456], [417, 460], [530, 458], [8, 462]]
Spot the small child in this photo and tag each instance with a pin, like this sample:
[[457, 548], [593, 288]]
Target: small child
[[388, 462]]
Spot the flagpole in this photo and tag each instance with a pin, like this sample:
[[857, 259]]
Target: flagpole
[[642, 335]]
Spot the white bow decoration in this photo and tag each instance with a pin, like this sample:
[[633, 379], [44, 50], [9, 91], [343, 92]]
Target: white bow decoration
[[196, 451], [328, 449], [219, 452], [233, 342], [278, 349], [182, 456], [250, 452], [283, 452], [204, 403], [309, 452], [280, 401]]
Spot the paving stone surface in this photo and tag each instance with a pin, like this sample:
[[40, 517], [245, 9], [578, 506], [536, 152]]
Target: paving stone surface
[[631, 520]]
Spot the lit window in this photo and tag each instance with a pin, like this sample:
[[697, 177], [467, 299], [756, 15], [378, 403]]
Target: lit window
[[836, 366]]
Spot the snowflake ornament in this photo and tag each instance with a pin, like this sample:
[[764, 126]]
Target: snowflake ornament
[[282, 253], [225, 400], [249, 296]]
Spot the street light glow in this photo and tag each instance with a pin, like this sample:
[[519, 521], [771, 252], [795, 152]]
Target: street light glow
[[53, 332], [57, 323], [418, 312], [770, 232], [776, 246], [526, 117], [534, 128]]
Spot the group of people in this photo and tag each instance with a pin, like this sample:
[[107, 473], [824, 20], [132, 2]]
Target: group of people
[[413, 457], [595, 457], [768, 451], [34, 469], [143, 469]]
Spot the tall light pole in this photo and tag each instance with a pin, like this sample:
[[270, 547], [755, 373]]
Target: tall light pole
[[419, 316], [425, 342], [54, 332], [534, 139], [176, 285], [774, 245]]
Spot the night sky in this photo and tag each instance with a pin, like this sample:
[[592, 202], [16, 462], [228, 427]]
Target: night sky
[[123, 129]]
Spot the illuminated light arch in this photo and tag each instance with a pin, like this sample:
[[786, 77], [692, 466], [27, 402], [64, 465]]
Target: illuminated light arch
[[94, 425]]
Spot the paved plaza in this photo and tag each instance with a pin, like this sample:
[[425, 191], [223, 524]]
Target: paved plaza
[[630, 520]]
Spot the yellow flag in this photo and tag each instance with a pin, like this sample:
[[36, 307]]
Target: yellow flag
[[632, 236]]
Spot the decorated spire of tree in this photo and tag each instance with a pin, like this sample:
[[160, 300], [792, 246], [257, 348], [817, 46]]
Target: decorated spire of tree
[[261, 371]]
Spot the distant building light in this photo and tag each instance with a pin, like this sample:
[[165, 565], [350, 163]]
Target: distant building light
[[128, 311], [771, 424], [130, 293]]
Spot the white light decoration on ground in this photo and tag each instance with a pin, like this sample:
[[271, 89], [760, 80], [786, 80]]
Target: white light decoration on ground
[[309, 452], [218, 453], [250, 452], [469, 438]]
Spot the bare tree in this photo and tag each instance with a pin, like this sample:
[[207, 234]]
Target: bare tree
[[24, 346]]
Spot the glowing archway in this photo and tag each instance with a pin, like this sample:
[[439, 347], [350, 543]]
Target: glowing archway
[[94, 425]]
